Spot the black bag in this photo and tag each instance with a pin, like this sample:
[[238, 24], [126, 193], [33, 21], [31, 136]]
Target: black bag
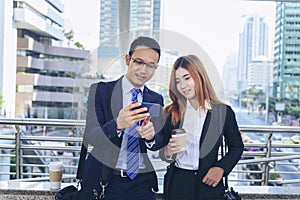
[[167, 180], [231, 195], [71, 192]]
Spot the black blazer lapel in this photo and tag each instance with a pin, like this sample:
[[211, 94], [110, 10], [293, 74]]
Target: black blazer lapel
[[213, 129]]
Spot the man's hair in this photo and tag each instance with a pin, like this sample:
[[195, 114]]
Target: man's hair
[[145, 41]]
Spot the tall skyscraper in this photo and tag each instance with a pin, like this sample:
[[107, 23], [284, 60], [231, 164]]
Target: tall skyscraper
[[253, 42], [229, 75], [143, 14], [143, 18], [287, 51]]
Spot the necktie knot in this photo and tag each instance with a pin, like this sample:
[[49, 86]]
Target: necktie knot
[[135, 93]]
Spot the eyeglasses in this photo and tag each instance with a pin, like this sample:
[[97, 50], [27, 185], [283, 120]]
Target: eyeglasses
[[151, 66]]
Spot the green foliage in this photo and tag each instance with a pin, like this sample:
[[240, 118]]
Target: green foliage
[[255, 91], [274, 176], [13, 167], [70, 36], [79, 45], [294, 111]]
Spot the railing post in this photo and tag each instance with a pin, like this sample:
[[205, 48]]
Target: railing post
[[266, 167], [17, 150]]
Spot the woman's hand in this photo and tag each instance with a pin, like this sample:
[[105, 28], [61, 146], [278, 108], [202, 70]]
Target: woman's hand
[[213, 176], [173, 147]]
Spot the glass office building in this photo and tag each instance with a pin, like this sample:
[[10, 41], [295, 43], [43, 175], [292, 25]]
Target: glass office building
[[287, 51]]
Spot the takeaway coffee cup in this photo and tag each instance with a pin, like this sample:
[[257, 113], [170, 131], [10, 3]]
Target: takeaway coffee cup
[[55, 175], [180, 136]]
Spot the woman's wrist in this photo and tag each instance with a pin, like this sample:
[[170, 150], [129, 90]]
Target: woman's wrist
[[168, 155]]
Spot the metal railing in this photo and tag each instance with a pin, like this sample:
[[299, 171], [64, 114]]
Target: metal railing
[[28, 145]]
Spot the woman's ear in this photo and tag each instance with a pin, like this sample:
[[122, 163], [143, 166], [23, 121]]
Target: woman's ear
[[127, 59]]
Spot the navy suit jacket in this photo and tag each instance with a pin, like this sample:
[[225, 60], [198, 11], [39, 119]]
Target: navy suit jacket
[[104, 103], [221, 123]]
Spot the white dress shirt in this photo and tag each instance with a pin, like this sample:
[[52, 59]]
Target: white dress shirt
[[193, 124]]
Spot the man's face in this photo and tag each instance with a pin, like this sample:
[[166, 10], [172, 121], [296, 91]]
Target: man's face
[[141, 65]]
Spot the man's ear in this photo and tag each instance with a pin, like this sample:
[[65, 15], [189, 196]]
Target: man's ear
[[127, 59]]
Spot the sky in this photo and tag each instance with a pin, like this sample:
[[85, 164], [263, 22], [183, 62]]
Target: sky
[[214, 25]]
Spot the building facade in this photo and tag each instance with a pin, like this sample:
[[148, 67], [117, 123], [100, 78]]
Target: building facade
[[287, 51], [253, 43], [8, 43], [44, 76]]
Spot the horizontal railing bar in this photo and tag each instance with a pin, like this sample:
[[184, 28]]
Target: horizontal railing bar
[[5, 164], [45, 166], [271, 129], [271, 159], [81, 123], [65, 176], [283, 172], [245, 180], [7, 146], [7, 155], [44, 122], [7, 137], [65, 148], [58, 157], [52, 138], [288, 181]]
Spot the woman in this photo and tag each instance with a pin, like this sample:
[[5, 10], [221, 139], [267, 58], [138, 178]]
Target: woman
[[196, 172]]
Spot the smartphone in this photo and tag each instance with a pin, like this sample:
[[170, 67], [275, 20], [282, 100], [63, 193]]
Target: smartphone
[[153, 108]]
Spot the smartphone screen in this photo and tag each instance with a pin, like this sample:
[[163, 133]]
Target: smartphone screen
[[153, 108]]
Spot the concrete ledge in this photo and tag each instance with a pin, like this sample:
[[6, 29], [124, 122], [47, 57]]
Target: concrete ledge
[[268, 192], [40, 191]]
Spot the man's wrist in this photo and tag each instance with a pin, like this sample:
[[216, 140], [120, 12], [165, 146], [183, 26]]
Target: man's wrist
[[120, 132], [149, 141]]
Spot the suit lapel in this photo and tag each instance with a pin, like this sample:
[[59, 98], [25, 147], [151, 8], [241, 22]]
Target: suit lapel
[[212, 131], [146, 95], [117, 98]]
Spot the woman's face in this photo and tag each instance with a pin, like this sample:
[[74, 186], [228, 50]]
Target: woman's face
[[185, 84]]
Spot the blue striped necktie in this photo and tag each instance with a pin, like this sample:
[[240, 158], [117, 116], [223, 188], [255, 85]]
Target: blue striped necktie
[[133, 144]]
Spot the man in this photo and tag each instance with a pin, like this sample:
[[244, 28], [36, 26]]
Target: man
[[118, 165]]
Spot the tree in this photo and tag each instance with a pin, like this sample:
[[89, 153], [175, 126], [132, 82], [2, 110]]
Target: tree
[[70, 36]]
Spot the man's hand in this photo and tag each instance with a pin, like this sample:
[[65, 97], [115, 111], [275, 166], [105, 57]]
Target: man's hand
[[146, 130], [127, 117], [213, 176]]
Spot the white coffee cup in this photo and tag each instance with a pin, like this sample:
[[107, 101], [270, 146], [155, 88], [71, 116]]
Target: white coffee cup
[[180, 136], [55, 175]]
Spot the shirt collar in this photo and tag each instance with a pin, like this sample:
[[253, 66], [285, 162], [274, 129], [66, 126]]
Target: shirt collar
[[127, 86], [207, 105]]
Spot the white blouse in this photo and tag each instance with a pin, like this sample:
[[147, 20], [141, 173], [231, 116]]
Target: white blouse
[[193, 124]]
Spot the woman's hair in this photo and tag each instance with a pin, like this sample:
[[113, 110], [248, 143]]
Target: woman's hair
[[203, 87]]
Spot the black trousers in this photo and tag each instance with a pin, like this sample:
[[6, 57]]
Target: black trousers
[[120, 188], [185, 186]]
